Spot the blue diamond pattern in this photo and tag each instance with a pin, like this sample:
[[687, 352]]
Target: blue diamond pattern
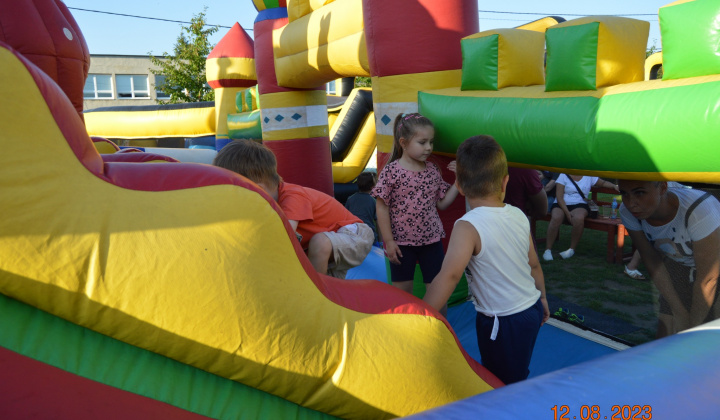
[[385, 119], [267, 120], [279, 118], [296, 116]]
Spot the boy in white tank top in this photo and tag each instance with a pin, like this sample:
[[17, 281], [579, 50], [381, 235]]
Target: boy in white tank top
[[504, 275]]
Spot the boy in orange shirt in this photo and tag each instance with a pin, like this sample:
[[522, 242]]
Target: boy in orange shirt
[[334, 239]]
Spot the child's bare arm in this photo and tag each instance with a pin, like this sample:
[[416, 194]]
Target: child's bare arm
[[383, 218], [706, 253], [450, 196], [537, 274], [464, 243], [451, 193]]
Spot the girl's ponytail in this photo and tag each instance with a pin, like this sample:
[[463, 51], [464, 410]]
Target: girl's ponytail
[[397, 150]]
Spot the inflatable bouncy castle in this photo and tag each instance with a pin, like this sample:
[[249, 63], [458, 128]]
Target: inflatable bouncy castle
[[591, 111], [190, 285], [174, 290]]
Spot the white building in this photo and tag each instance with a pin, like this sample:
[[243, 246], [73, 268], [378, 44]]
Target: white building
[[121, 80]]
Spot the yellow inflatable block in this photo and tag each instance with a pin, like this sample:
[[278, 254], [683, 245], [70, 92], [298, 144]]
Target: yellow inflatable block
[[299, 8], [158, 123], [513, 57], [540, 25], [327, 44], [618, 47], [230, 68]]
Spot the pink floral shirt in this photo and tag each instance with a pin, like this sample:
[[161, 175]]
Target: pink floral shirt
[[412, 200]]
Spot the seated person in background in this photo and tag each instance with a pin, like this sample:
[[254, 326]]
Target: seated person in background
[[505, 277], [362, 204], [572, 191], [334, 239], [548, 179], [677, 232], [525, 192]]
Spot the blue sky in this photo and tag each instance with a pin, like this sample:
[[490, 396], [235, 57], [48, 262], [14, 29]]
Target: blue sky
[[112, 34]]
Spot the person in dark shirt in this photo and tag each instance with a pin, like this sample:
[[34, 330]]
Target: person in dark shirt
[[525, 192], [548, 179], [362, 204]]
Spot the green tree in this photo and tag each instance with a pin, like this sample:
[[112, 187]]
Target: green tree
[[184, 71], [363, 82], [652, 50]]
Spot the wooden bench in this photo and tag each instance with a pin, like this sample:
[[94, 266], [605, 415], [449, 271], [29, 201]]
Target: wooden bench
[[616, 231]]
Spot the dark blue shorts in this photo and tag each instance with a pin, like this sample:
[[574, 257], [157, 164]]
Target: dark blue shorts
[[572, 207], [430, 258], [508, 356]]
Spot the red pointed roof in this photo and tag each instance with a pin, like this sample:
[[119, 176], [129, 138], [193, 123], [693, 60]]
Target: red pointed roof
[[236, 43]]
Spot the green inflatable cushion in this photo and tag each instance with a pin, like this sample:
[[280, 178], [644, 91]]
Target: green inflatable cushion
[[572, 57], [690, 39], [480, 63]]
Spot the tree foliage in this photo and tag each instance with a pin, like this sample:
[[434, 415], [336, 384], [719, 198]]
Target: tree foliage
[[652, 50], [184, 71], [363, 82]]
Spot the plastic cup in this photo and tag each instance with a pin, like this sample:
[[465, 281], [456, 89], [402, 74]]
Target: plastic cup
[[605, 211]]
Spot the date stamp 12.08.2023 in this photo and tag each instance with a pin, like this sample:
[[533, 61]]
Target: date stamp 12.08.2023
[[595, 412]]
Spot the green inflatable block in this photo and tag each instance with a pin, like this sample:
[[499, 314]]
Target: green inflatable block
[[248, 100], [245, 125], [480, 63], [572, 57], [690, 39]]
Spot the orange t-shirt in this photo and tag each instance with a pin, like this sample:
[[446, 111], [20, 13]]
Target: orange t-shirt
[[314, 211]]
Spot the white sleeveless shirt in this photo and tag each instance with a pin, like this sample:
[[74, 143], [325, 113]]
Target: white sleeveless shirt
[[500, 280]]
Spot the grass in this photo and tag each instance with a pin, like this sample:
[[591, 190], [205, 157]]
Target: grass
[[588, 280]]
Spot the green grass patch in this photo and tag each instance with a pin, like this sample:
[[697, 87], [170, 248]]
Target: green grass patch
[[588, 280]]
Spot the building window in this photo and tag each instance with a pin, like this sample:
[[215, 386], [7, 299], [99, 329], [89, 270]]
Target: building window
[[331, 88], [131, 86], [98, 86], [159, 81]]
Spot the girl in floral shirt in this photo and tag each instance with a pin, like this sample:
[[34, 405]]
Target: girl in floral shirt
[[409, 193]]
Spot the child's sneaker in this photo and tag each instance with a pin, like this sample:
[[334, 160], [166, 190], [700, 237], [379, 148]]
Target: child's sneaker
[[578, 319], [568, 253], [547, 255], [562, 313]]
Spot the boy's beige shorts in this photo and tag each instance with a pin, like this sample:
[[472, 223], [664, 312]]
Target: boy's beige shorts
[[349, 248]]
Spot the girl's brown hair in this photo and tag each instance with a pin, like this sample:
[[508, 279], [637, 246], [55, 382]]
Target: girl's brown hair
[[405, 127]]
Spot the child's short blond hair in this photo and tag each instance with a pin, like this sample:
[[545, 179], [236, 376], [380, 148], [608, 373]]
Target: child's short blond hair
[[481, 166], [251, 160]]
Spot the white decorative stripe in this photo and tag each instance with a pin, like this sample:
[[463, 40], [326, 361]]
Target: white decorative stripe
[[385, 113], [317, 115], [274, 119]]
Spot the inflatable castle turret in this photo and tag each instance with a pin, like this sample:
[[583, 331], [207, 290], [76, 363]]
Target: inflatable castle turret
[[230, 68]]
